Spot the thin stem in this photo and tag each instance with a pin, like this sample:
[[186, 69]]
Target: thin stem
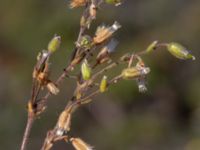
[[29, 125], [82, 30], [88, 97], [59, 80], [104, 70], [31, 117]]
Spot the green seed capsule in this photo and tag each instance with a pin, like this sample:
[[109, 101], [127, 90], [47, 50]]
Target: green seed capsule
[[134, 72], [151, 47], [179, 51], [54, 44], [86, 70], [103, 84], [113, 2]]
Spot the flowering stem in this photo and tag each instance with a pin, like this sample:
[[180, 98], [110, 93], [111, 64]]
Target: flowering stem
[[31, 117]]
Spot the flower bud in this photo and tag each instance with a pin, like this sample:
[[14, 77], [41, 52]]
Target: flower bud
[[54, 44], [103, 84], [134, 72], [179, 51], [151, 47], [86, 70], [79, 144]]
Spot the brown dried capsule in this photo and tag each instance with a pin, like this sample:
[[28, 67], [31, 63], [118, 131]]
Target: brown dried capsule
[[52, 88], [79, 144], [77, 3], [93, 11], [64, 122], [105, 32]]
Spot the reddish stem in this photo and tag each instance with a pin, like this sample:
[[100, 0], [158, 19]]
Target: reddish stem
[[29, 125]]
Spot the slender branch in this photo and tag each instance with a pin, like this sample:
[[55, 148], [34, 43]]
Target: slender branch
[[28, 128], [31, 116]]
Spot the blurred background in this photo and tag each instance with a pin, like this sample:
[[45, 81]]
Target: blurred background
[[166, 117]]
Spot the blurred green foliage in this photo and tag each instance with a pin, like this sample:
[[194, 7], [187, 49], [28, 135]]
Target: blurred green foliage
[[166, 117]]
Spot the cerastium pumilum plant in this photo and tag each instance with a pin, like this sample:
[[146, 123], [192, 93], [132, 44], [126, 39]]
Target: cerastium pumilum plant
[[92, 67]]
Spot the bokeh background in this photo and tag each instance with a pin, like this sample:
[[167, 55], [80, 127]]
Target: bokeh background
[[166, 117]]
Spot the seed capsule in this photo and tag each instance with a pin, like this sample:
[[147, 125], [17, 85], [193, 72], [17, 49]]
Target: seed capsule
[[113, 2], [105, 32], [52, 88], [54, 44], [77, 3], [134, 72], [179, 51], [86, 70], [93, 11], [79, 144], [64, 123], [103, 84]]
